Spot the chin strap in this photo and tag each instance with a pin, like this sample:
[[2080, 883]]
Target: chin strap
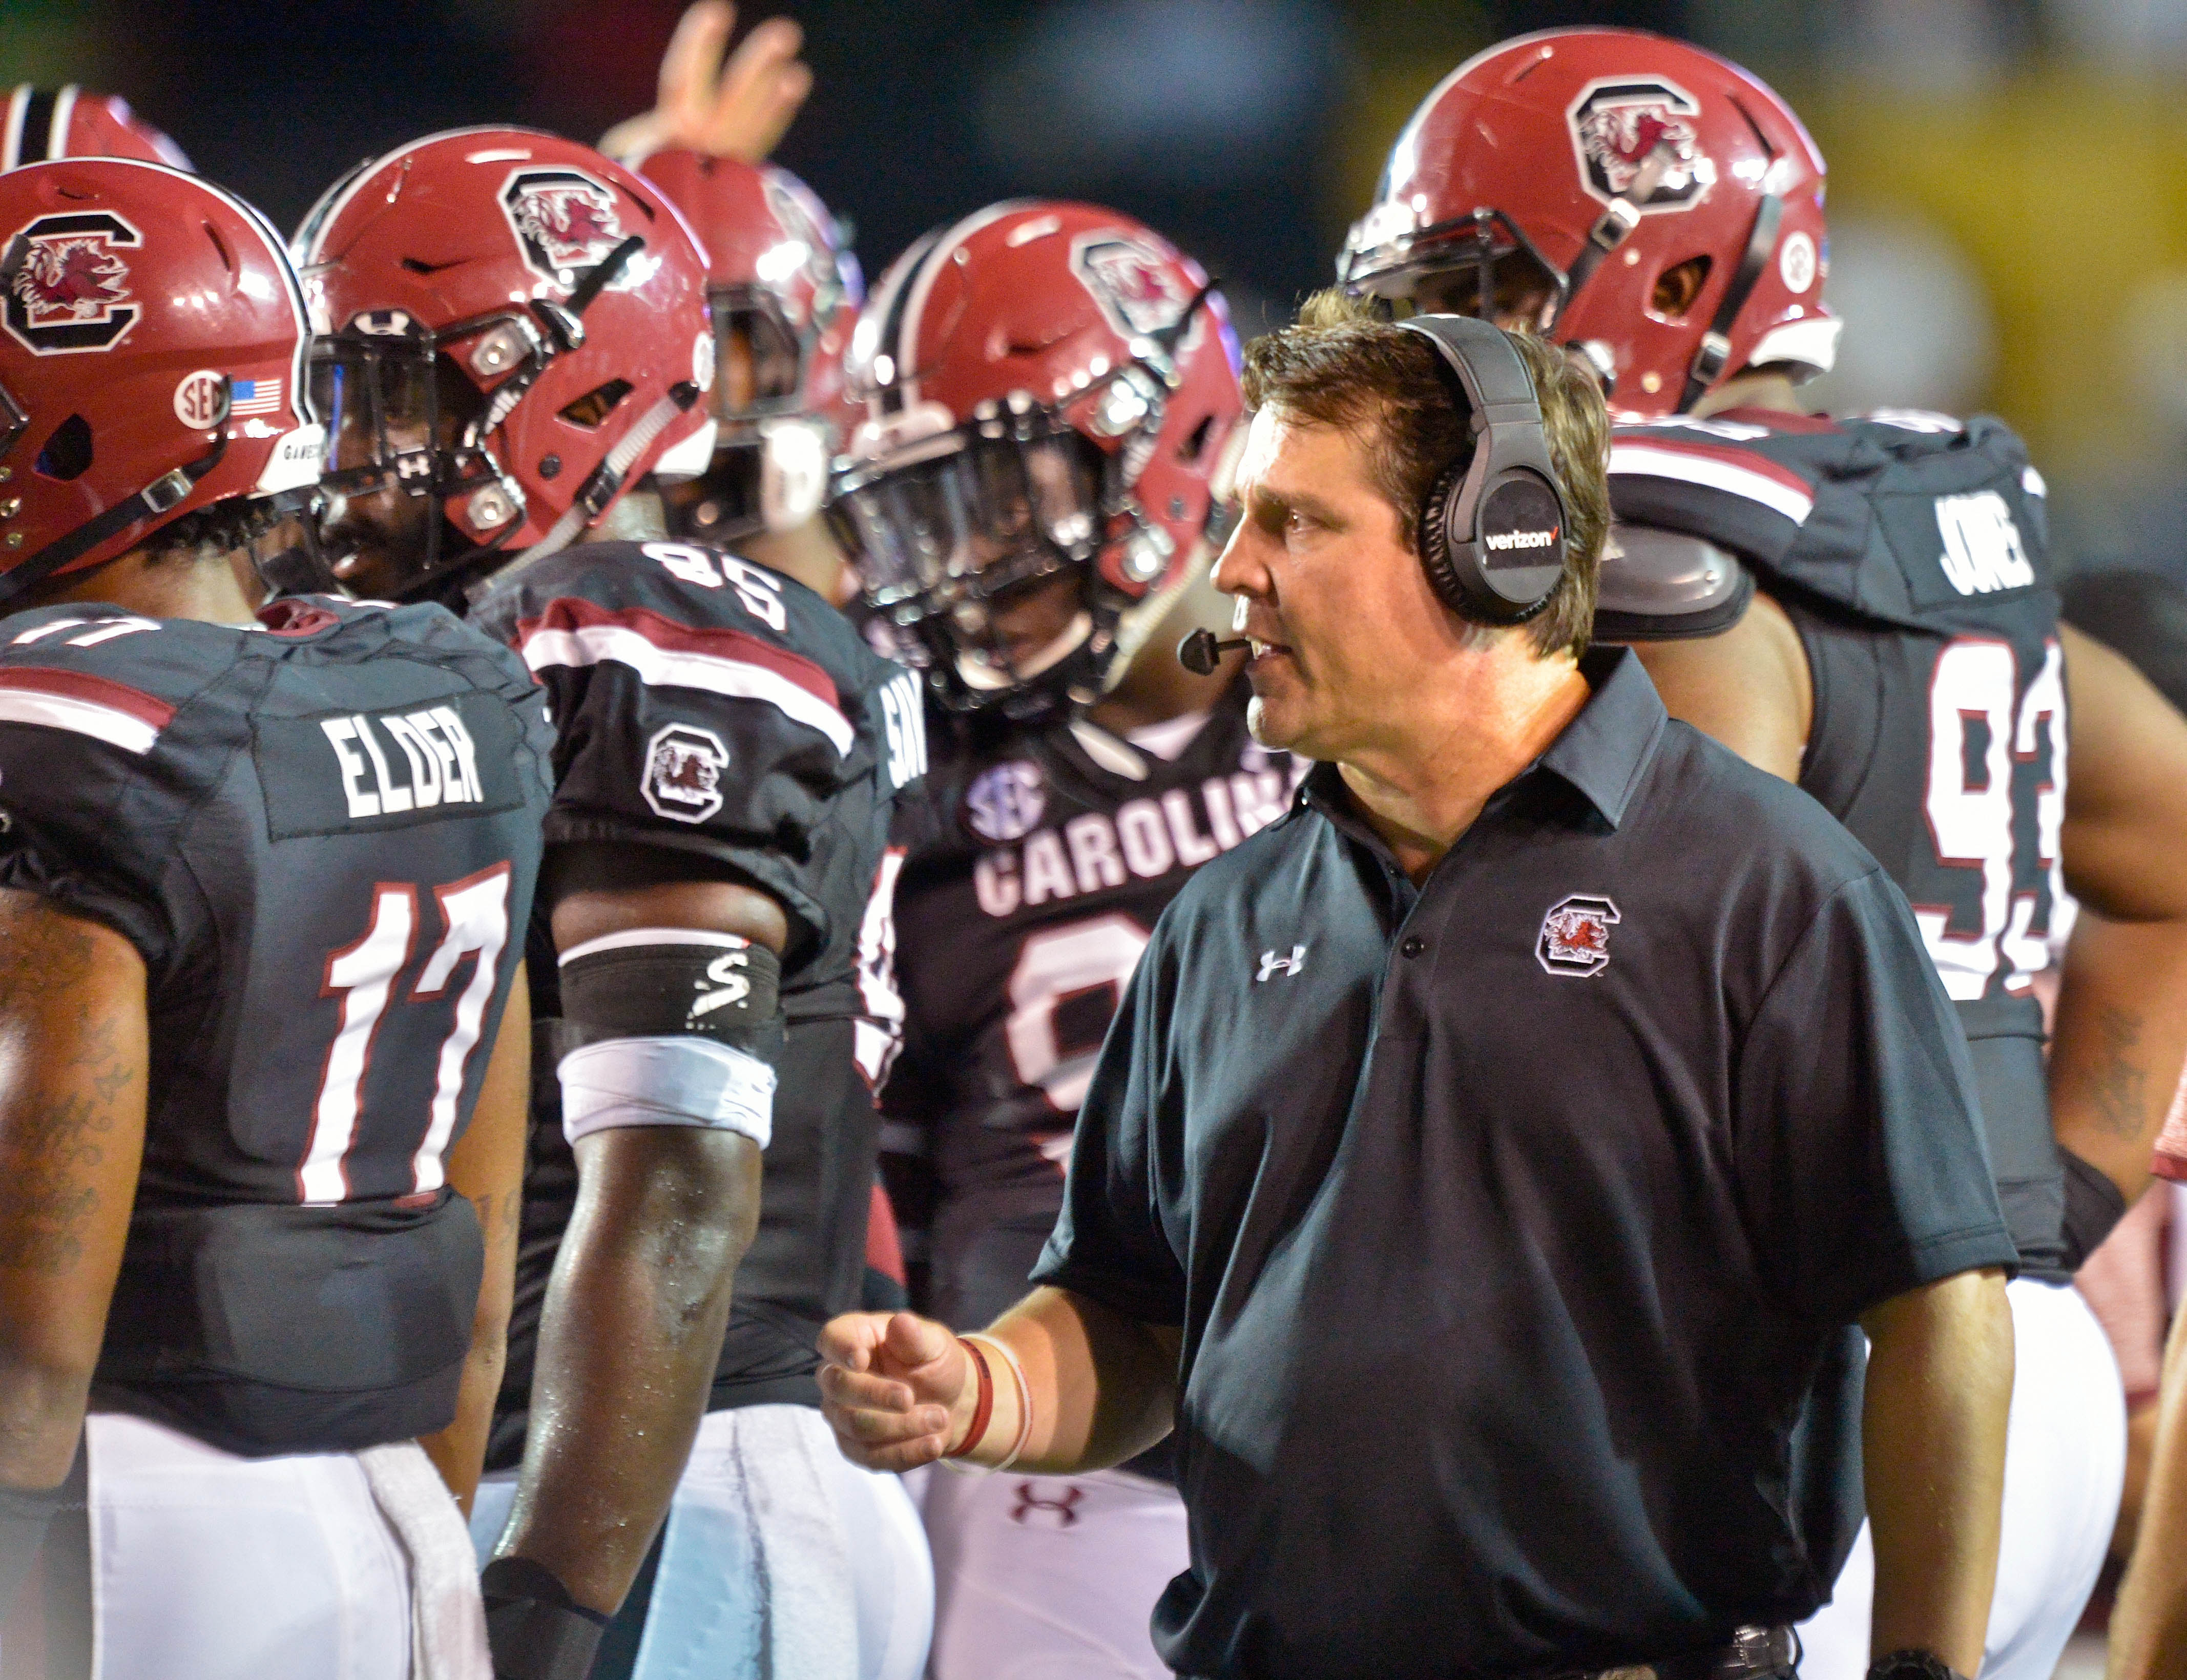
[[606, 482], [1605, 236], [163, 495], [1709, 360]]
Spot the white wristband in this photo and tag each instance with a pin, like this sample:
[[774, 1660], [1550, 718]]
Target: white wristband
[[1025, 1393], [681, 1080]]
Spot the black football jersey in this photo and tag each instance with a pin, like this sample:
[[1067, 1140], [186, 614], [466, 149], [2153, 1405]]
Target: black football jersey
[[1911, 552], [321, 833], [707, 705], [1034, 874]]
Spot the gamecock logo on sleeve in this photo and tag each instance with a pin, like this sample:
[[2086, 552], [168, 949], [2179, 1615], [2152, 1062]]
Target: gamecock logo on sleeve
[[1576, 935], [683, 778], [564, 222], [1636, 141], [67, 284]]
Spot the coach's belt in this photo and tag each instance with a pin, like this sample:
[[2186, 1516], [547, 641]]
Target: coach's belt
[[1754, 1654]]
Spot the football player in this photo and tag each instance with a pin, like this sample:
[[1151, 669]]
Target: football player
[[516, 332], [1864, 606], [783, 290], [261, 1121], [1050, 397]]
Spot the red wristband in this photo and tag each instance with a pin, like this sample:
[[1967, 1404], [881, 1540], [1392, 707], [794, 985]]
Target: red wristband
[[983, 1408]]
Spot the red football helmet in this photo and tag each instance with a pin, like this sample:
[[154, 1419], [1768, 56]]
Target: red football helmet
[[784, 290], [512, 332], [1652, 205], [42, 125], [152, 341], [1050, 397]]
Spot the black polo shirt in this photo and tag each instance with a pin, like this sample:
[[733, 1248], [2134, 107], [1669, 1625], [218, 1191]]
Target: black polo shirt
[[1508, 1220]]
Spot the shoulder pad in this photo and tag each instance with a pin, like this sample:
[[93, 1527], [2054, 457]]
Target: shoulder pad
[[100, 673], [1666, 585]]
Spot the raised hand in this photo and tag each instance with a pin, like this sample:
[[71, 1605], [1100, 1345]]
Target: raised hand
[[737, 109], [898, 1390]]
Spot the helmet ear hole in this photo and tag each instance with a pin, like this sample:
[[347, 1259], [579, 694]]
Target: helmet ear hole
[[67, 451], [1678, 287], [598, 403]]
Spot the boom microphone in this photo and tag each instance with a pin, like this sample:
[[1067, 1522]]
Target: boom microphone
[[1199, 652]]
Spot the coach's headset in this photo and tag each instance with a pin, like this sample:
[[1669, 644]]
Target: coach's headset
[[1492, 530]]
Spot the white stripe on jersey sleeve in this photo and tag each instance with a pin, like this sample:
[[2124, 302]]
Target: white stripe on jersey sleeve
[[662, 667], [1647, 461], [85, 717]]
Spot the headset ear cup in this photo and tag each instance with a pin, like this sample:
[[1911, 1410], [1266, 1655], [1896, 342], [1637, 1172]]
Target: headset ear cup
[[1435, 541]]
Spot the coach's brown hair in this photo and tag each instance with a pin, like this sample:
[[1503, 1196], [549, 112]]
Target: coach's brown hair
[[1344, 367]]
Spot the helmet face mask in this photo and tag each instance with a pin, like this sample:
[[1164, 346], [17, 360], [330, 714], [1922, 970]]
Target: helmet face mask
[[973, 546], [1481, 265], [405, 442], [1048, 390]]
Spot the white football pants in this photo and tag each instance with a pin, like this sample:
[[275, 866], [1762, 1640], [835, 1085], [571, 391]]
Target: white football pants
[[2065, 1462], [1051, 1577], [780, 1557], [208, 1566]]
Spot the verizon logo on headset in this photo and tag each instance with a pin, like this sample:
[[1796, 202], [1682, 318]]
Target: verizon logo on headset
[[1500, 541]]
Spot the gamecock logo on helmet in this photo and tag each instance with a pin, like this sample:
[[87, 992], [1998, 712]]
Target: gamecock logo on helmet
[[1636, 141], [1576, 935], [1137, 287], [67, 286], [565, 222]]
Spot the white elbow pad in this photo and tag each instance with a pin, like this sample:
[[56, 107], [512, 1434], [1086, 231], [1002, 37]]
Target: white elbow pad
[[682, 1080]]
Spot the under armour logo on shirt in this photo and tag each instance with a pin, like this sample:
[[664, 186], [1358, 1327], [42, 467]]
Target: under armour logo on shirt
[[1062, 1512], [1270, 963]]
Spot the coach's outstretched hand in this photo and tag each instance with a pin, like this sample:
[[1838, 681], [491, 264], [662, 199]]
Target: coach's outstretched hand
[[898, 1390]]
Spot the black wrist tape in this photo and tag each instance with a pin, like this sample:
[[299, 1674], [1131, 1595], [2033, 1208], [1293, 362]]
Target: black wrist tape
[[2094, 1206], [652, 986], [534, 1628]]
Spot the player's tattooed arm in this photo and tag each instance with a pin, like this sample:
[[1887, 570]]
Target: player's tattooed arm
[[2120, 1038], [487, 1168], [72, 1091], [734, 108]]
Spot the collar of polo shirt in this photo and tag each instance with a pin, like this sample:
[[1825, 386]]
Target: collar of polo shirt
[[1600, 754]]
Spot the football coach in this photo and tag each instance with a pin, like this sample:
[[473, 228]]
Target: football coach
[[1486, 1156]]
